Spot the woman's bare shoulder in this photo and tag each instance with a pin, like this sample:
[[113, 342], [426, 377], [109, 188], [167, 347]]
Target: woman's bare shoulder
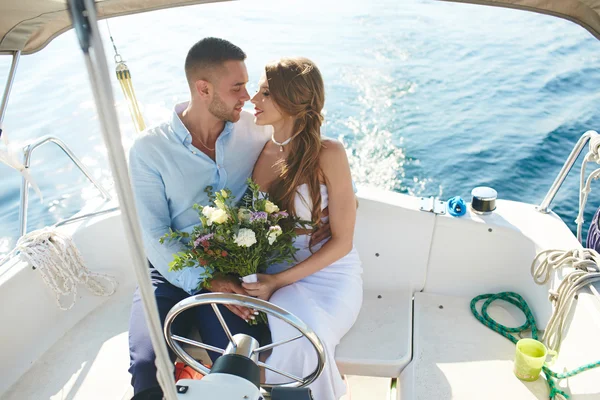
[[333, 158], [332, 148]]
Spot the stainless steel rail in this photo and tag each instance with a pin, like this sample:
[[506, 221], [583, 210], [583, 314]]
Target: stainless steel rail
[[579, 146], [28, 152]]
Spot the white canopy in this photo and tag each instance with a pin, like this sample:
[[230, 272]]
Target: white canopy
[[583, 12], [29, 25]]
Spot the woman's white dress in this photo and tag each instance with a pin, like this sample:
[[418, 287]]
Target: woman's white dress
[[328, 301]]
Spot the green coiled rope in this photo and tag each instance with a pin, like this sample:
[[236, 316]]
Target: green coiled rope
[[507, 332]]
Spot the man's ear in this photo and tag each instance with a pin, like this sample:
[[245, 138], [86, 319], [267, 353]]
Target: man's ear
[[203, 88]]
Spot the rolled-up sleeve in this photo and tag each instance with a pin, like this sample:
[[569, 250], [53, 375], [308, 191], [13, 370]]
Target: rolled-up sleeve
[[155, 219]]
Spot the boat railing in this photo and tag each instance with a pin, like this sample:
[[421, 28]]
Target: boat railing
[[28, 153], [590, 137]]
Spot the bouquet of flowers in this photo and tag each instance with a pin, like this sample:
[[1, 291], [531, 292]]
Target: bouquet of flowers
[[240, 240]]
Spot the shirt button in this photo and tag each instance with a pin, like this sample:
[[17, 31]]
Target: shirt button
[[193, 152]]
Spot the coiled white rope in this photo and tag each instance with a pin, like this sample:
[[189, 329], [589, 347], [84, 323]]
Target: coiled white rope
[[586, 270], [61, 265]]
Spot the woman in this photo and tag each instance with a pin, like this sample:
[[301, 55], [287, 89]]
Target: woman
[[304, 174]]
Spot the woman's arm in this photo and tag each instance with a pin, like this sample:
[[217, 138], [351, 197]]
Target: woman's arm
[[342, 215], [342, 218]]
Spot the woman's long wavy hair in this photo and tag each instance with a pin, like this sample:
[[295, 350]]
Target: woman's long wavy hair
[[297, 88]]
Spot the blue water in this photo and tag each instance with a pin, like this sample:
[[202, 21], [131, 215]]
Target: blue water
[[431, 98]]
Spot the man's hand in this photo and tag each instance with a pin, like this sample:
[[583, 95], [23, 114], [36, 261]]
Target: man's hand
[[324, 230], [228, 284]]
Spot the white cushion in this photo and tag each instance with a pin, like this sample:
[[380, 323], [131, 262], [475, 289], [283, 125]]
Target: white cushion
[[380, 342]]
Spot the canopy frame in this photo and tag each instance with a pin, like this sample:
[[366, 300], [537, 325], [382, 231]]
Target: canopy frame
[[83, 14], [16, 55]]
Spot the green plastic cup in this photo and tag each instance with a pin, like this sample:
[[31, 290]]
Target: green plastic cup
[[530, 357]]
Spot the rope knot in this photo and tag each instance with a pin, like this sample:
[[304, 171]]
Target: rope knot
[[61, 266]]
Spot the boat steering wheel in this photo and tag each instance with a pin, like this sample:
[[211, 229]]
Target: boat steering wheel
[[242, 344]]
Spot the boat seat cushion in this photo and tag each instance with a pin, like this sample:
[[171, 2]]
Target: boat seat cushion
[[394, 267], [380, 342]]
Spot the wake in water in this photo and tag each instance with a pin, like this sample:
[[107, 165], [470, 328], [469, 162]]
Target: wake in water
[[373, 137], [373, 158], [376, 161]]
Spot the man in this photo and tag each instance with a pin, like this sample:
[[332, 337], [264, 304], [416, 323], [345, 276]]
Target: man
[[209, 141]]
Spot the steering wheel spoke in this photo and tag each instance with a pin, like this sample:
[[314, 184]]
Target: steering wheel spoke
[[197, 344], [287, 375], [224, 324], [273, 345]]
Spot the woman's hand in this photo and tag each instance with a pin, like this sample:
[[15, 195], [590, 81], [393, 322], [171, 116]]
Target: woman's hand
[[264, 288]]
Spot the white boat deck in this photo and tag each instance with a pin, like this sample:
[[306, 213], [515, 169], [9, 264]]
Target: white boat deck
[[89, 362], [92, 359], [436, 353], [461, 357], [457, 357]]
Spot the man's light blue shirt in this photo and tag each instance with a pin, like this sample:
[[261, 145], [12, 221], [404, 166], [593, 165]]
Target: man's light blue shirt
[[169, 175]]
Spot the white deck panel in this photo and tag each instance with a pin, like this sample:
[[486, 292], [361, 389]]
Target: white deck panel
[[457, 357], [89, 362]]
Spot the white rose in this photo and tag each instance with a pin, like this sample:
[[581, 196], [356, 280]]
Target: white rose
[[207, 211], [218, 217], [274, 232], [270, 207], [245, 237]]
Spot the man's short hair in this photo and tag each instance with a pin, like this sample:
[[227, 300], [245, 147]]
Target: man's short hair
[[207, 54]]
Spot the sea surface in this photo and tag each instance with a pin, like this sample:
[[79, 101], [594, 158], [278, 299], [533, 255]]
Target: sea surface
[[430, 98]]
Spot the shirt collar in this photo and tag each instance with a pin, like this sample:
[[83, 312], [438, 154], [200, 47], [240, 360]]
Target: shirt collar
[[182, 133]]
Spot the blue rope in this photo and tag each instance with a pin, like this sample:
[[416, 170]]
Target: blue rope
[[457, 206]]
